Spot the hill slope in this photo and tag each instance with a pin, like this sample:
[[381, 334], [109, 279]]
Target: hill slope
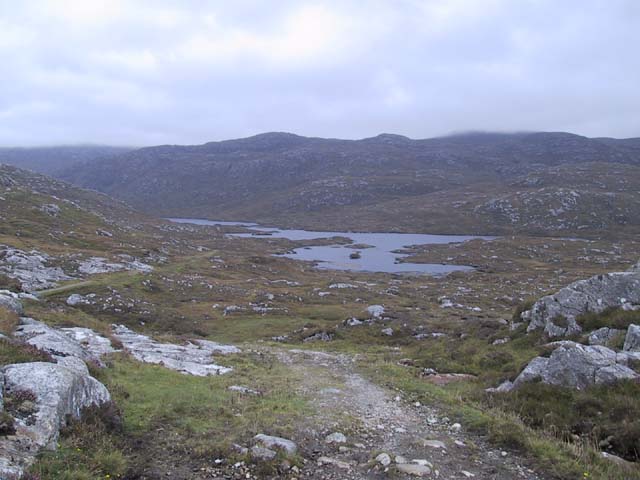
[[51, 160], [288, 179]]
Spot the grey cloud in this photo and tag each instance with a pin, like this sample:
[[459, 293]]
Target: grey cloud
[[148, 72]]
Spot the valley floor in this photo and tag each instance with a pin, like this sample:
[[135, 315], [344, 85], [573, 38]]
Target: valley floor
[[320, 361]]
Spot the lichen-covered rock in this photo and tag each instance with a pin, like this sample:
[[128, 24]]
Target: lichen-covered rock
[[575, 366], [556, 314], [54, 341], [10, 301], [75, 299], [59, 392], [94, 265], [604, 336], [276, 443], [375, 311], [191, 358], [632, 339], [94, 344], [30, 269]]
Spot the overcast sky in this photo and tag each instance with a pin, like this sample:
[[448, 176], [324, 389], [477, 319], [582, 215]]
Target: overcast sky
[[132, 72]]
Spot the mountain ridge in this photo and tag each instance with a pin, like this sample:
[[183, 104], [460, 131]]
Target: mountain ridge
[[288, 179]]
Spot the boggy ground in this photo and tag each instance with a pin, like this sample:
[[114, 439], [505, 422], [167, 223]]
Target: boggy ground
[[233, 290]]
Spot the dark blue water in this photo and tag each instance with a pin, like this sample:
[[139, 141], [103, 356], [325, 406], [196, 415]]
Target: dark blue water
[[379, 258]]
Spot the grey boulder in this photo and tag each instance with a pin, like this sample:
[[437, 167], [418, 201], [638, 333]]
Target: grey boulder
[[575, 366], [59, 392], [276, 443], [556, 314], [604, 336], [632, 339], [10, 301]]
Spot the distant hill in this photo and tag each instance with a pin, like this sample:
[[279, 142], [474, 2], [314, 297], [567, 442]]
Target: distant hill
[[52, 160], [476, 182]]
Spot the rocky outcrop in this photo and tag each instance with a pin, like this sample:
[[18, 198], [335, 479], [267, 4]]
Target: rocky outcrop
[[95, 265], [575, 366], [62, 345], [94, 344], [30, 269], [556, 314], [53, 392], [193, 358]]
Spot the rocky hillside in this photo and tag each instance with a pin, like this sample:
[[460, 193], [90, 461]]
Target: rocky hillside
[[40, 210], [492, 183], [51, 160]]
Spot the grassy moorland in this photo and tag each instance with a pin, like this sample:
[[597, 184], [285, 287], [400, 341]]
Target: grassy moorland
[[206, 285]]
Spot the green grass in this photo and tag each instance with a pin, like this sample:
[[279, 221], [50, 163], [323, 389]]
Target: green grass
[[90, 448], [151, 394], [611, 317], [608, 415], [166, 413]]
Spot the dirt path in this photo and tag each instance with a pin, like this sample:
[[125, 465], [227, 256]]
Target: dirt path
[[375, 420]]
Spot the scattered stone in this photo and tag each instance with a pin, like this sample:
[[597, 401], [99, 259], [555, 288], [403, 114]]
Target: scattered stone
[[262, 454], [375, 311], [341, 286], [414, 469], [240, 449], [75, 299], [384, 459], [433, 444], [319, 337], [352, 322], [467, 474], [501, 341], [231, 309], [243, 390], [50, 209], [335, 462], [387, 331], [269, 441], [336, 437], [456, 427]]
